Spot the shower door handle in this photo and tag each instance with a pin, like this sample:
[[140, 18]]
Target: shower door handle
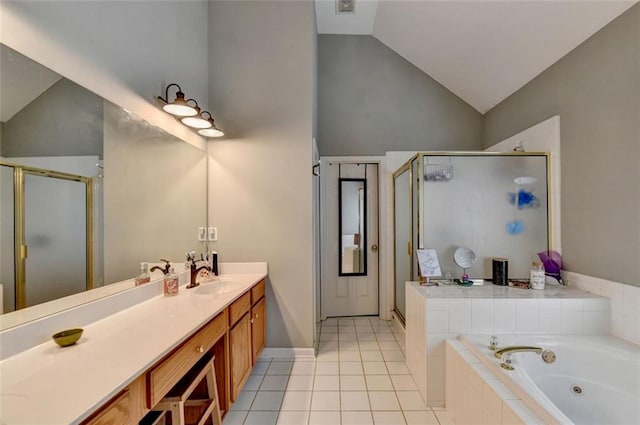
[[374, 248]]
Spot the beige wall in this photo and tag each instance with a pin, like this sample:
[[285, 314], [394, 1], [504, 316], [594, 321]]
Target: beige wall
[[596, 91], [261, 60]]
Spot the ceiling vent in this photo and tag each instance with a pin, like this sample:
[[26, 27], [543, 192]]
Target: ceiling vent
[[345, 6]]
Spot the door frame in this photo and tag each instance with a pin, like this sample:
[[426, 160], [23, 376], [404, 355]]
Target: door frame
[[383, 223]]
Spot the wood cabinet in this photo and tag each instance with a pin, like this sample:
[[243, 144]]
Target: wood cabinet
[[258, 329], [116, 411], [240, 354]]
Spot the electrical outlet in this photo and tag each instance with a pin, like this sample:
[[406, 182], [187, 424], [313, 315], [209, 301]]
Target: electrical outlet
[[202, 233], [213, 234]]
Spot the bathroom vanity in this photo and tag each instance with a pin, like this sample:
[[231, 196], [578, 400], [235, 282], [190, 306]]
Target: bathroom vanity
[[125, 363]]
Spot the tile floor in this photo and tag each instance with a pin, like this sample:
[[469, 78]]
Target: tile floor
[[358, 378]]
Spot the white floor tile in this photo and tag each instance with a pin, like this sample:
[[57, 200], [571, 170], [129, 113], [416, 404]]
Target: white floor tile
[[397, 368], [330, 321], [267, 400], [300, 383], [303, 368], [388, 345], [420, 418], [357, 418], [351, 368], [324, 418], [296, 400], [410, 400], [329, 330], [393, 356], [260, 368], [368, 346], [375, 368], [349, 356], [244, 400], [354, 400], [328, 355], [261, 418], [292, 418], [383, 400], [348, 345], [253, 383], [325, 400], [235, 417], [388, 418], [371, 356], [345, 321], [366, 337], [280, 368], [352, 383], [328, 337], [379, 383], [343, 337], [327, 368], [443, 417], [383, 337], [403, 383], [274, 383], [326, 383]]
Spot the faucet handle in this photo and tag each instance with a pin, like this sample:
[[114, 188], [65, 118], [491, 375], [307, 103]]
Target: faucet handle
[[493, 343]]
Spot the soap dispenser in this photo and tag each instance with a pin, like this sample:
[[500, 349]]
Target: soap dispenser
[[171, 283], [144, 276]]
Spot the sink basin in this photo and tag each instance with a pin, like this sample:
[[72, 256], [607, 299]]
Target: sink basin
[[213, 288]]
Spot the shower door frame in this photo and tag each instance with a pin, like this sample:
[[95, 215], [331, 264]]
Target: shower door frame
[[20, 247]]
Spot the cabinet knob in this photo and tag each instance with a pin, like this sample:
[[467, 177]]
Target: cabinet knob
[[251, 321], [200, 349], [257, 315]]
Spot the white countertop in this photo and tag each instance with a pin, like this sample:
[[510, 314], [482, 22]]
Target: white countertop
[[51, 385], [489, 290]]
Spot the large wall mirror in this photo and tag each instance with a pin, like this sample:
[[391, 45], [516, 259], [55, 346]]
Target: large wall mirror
[[352, 227], [88, 190]]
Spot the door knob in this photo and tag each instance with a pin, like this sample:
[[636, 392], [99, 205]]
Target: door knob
[[374, 248]]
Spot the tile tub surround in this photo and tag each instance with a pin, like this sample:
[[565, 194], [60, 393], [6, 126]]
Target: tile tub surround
[[476, 396], [435, 314], [112, 352], [624, 299]]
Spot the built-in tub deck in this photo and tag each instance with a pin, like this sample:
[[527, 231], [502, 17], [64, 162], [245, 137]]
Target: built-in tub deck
[[437, 313]]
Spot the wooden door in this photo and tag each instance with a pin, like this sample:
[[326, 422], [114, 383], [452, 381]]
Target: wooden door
[[258, 328], [240, 354]]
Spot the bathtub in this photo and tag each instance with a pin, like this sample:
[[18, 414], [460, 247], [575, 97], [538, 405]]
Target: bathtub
[[595, 380]]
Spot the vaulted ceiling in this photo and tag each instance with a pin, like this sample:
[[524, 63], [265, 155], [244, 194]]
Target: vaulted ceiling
[[483, 51]]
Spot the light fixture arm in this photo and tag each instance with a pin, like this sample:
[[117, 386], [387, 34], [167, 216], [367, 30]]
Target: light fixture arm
[[166, 92]]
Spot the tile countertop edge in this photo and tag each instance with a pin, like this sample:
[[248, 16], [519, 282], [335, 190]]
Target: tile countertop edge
[[102, 364], [495, 291]]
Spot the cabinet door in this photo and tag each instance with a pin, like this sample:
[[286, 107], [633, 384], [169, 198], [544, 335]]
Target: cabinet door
[[258, 328], [240, 354]]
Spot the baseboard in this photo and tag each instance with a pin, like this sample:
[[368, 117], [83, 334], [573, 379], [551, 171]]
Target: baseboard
[[288, 353]]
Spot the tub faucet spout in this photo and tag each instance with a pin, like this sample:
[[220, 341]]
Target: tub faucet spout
[[517, 349]]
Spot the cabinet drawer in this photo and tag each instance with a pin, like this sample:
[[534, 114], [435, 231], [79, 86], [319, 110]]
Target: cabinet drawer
[[115, 412], [164, 376], [239, 308], [257, 292]]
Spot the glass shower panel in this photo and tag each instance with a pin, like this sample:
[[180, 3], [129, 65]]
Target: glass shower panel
[[7, 262], [416, 213], [402, 223], [55, 235]]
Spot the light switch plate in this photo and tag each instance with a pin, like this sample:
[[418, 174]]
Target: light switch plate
[[213, 234], [202, 233]]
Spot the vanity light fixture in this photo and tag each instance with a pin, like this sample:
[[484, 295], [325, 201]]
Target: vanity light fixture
[[212, 131], [179, 107], [189, 113]]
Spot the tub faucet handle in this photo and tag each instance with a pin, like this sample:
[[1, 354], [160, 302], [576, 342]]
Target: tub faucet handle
[[493, 343]]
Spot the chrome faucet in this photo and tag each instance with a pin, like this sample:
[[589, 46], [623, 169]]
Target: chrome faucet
[[504, 354], [193, 280]]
